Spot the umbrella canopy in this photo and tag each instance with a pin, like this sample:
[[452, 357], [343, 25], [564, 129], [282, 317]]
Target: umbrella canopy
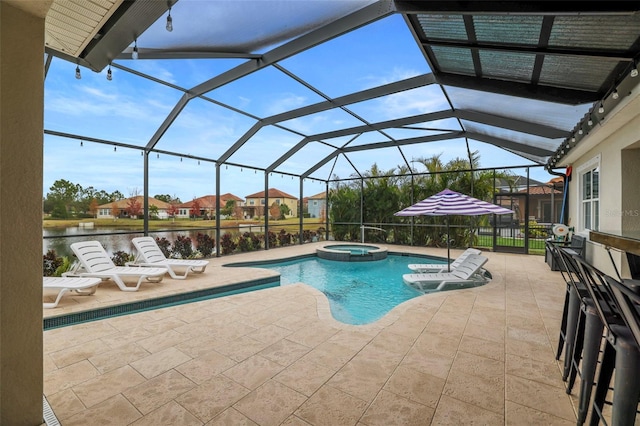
[[449, 202]]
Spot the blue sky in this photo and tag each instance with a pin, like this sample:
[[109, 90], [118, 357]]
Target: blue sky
[[129, 109]]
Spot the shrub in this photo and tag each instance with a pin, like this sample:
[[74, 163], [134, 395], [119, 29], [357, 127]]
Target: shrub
[[64, 267], [164, 245], [244, 242], [182, 247], [535, 230], [205, 244], [50, 263], [120, 258], [256, 241], [227, 244], [273, 239], [284, 238]]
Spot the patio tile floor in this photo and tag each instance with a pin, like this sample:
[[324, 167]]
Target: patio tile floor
[[276, 356]]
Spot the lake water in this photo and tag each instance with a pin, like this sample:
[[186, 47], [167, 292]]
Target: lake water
[[59, 239]]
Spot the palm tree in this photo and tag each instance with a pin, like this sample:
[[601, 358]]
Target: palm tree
[[386, 192]]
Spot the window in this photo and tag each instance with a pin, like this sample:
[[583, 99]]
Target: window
[[278, 202], [589, 205]]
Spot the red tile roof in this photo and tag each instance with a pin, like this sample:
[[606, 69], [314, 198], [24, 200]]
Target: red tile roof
[[541, 190], [124, 203], [273, 193], [209, 201]]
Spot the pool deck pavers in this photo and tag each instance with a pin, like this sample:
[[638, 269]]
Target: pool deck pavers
[[277, 357]]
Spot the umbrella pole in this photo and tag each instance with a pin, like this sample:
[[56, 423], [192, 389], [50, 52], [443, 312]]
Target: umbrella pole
[[448, 248]]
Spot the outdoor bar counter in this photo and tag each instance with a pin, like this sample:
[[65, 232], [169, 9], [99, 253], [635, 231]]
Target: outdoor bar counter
[[628, 242]]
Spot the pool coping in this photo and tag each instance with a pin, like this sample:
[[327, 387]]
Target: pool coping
[[64, 320], [252, 263], [330, 253]]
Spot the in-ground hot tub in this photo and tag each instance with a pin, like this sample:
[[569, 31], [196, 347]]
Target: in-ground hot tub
[[351, 252]]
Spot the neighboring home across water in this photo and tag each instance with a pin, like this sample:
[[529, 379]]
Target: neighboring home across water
[[132, 207], [207, 205], [255, 203], [317, 205]]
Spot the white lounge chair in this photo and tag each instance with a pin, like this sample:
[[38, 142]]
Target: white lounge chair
[[424, 268], [95, 262], [467, 274], [82, 286], [149, 254]]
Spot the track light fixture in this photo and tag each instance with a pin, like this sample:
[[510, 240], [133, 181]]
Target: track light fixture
[[615, 94], [78, 75], [580, 131], [134, 54], [590, 122], [634, 70], [109, 74], [169, 21], [601, 108]]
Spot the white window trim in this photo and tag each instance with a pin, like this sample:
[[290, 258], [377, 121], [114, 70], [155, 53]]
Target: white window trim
[[582, 169]]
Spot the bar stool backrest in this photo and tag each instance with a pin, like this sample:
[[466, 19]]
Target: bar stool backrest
[[627, 298], [553, 249], [572, 271], [604, 302]]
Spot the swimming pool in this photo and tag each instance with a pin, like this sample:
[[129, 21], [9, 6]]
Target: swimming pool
[[358, 292]]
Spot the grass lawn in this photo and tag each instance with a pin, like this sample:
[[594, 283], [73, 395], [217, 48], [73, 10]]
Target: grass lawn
[[536, 246]]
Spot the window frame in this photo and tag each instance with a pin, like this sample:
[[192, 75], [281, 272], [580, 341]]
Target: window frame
[[592, 203]]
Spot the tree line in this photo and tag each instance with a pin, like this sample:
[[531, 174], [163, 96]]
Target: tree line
[[66, 199], [385, 192]]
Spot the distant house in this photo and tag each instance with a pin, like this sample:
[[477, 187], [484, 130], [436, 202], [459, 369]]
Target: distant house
[[515, 183], [123, 207], [317, 205], [255, 203], [511, 194], [545, 201], [207, 205]]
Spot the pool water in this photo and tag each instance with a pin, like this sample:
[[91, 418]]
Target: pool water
[[358, 292]]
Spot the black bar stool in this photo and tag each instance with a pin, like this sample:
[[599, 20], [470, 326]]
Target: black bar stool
[[578, 305], [552, 248], [620, 352], [622, 355]]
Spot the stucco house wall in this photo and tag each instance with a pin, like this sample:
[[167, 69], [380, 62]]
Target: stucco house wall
[[616, 146]]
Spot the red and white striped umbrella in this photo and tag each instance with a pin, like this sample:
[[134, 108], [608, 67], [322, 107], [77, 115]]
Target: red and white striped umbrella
[[449, 202]]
